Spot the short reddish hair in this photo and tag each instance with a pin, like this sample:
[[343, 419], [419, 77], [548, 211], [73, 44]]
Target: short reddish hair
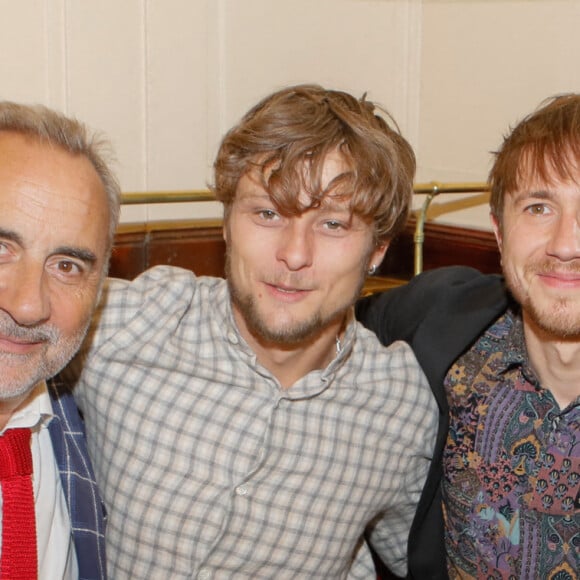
[[545, 143]]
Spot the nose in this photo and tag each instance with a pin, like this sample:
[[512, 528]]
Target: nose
[[295, 247], [24, 294], [564, 242]]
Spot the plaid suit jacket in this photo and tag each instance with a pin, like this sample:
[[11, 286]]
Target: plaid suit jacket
[[86, 509]]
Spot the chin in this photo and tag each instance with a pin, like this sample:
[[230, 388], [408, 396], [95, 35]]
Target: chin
[[559, 320], [286, 335]]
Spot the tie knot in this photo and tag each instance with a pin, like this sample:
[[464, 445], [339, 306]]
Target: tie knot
[[15, 454]]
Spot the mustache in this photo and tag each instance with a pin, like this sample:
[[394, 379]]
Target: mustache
[[551, 266], [42, 333]]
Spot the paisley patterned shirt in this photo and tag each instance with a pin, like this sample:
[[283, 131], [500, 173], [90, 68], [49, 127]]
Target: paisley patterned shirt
[[512, 466]]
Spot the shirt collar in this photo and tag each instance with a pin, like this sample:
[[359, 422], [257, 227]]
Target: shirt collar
[[346, 345], [515, 355], [234, 337], [35, 411]]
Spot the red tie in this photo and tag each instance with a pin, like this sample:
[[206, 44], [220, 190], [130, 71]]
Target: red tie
[[19, 558]]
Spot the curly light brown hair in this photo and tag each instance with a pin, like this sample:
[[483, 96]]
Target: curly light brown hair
[[298, 127]]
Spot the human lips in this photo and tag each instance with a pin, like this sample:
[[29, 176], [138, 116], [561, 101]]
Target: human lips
[[287, 292], [18, 340], [560, 278], [18, 346]]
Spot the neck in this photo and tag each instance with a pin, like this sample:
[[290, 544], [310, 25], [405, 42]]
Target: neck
[[289, 363], [8, 407], [556, 361]]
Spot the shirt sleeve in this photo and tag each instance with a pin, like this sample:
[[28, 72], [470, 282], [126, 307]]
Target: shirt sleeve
[[127, 311], [363, 567], [389, 534]]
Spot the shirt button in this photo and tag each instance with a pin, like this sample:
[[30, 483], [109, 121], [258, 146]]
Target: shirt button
[[241, 490], [232, 337], [203, 574]]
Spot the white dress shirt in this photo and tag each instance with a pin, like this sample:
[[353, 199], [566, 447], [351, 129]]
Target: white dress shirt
[[56, 553]]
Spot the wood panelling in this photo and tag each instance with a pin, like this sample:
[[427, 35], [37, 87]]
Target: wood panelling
[[196, 245], [199, 246], [443, 246], [128, 257]]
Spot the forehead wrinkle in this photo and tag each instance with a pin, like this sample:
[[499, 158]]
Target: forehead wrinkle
[[30, 197], [34, 200]]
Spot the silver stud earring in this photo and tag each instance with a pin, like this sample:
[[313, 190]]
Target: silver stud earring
[[372, 270]]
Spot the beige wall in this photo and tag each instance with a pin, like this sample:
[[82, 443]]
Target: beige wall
[[165, 78], [484, 65]]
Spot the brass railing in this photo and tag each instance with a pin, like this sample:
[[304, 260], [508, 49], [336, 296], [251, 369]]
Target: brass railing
[[167, 197], [431, 190]]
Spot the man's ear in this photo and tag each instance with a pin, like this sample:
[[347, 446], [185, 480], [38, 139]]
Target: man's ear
[[495, 224], [378, 255]]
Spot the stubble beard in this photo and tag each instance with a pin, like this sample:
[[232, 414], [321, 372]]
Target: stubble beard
[[559, 318], [290, 334]]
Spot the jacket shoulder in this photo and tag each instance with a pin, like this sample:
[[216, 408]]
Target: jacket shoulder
[[395, 314]]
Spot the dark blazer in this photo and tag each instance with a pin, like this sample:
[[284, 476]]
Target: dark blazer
[[440, 314], [86, 509]]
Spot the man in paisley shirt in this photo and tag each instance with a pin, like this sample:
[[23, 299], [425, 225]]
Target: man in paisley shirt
[[508, 360]]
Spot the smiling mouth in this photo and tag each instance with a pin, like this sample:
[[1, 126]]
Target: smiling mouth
[[561, 279], [288, 290], [282, 290], [14, 346]]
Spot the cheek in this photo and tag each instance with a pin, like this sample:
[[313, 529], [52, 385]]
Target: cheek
[[242, 259], [511, 265], [527, 249], [248, 243], [344, 271], [516, 245], [71, 311]]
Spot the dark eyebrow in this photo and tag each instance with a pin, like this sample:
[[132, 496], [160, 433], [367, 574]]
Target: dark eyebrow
[[12, 236], [536, 194], [80, 254], [541, 194], [86, 256]]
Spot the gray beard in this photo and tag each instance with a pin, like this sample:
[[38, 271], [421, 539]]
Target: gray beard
[[46, 367]]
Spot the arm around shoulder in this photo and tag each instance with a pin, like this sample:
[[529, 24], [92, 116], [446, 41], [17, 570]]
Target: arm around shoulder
[[395, 314]]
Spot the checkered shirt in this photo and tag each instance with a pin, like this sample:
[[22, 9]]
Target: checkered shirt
[[209, 469]]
